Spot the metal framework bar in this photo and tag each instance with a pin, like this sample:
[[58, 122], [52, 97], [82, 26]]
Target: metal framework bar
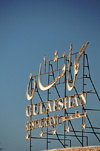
[[65, 61], [85, 132], [48, 99], [91, 79], [31, 117], [81, 137], [46, 138], [74, 136], [65, 110], [94, 127], [82, 105], [48, 115], [92, 109]]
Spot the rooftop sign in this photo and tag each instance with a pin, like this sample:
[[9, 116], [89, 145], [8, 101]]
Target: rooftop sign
[[45, 107]]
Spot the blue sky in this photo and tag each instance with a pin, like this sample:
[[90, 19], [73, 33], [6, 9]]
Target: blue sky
[[30, 29]]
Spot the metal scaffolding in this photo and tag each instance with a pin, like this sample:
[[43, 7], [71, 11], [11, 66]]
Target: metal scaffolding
[[51, 69]]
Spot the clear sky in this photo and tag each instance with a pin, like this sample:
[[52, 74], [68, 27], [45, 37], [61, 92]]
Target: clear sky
[[30, 29]]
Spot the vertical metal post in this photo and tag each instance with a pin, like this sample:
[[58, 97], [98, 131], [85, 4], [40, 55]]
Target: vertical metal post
[[30, 134], [47, 137], [48, 100], [65, 109], [82, 105], [31, 116]]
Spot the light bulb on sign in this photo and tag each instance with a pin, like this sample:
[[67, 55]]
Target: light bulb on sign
[[41, 134], [83, 126], [67, 129], [27, 136], [54, 131]]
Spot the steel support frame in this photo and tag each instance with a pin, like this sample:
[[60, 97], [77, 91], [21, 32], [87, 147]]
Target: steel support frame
[[85, 60]]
